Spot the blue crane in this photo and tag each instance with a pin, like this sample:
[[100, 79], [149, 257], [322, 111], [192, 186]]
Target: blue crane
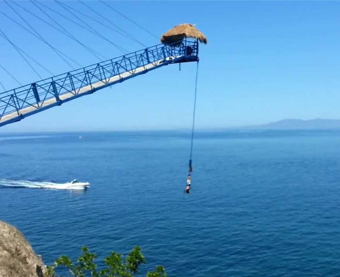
[[21, 102]]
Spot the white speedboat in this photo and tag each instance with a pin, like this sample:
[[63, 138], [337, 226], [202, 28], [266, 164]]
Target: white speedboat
[[73, 185], [76, 185]]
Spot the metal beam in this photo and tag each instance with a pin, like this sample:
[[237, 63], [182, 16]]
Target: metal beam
[[35, 92]]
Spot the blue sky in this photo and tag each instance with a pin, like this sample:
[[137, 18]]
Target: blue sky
[[265, 61]]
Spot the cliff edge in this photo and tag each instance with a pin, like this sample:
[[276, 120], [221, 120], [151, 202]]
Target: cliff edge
[[17, 258]]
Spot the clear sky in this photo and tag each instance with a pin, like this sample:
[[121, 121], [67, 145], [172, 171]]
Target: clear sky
[[265, 61]]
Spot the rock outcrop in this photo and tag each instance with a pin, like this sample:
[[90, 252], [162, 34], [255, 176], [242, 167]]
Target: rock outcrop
[[17, 258]]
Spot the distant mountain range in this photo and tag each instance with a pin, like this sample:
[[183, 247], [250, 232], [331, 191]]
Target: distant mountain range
[[298, 124]]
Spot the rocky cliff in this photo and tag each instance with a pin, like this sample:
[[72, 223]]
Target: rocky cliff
[[17, 258]]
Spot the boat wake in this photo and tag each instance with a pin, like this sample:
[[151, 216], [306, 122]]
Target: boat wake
[[74, 185]]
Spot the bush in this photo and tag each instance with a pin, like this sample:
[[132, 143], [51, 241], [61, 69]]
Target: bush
[[115, 265]]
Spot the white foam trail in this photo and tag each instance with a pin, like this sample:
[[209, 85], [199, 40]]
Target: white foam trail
[[43, 185], [3, 138]]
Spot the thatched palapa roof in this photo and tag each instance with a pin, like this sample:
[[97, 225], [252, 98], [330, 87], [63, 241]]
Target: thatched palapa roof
[[179, 32]]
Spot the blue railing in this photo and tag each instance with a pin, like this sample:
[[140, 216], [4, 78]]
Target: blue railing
[[36, 94]]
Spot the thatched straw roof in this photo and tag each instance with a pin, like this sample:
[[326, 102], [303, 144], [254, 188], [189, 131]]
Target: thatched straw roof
[[179, 32]]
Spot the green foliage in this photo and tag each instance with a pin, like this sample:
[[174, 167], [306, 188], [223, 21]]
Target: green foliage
[[159, 272], [116, 266]]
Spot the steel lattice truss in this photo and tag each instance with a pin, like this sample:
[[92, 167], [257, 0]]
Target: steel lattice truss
[[27, 100]]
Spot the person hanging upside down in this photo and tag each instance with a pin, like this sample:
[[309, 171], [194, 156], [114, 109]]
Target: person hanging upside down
[[187, 189]]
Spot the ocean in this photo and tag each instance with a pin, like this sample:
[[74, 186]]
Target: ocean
[[263, 203]]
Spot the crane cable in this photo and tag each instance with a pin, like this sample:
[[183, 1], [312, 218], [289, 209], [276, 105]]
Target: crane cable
[[19, 52], [36, 34], [121, 31], [74, 22], [129, 19], [3, 86], [9, 73], [63, 30], [89, 28], [22, 51]]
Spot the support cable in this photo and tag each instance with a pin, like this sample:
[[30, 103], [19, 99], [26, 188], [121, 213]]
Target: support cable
[[15, 79], [22, 51], [63, 30], [129, 19], [33, 34], [121, 32], [15, 47], [89, 28], [3, 86], [86, 28], [39, 36]]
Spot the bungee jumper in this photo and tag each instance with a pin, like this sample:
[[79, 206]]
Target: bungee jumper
[[187, 189]]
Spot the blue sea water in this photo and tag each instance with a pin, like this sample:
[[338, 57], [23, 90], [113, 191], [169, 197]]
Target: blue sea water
[[263, 203]]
